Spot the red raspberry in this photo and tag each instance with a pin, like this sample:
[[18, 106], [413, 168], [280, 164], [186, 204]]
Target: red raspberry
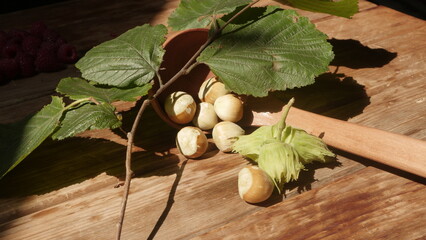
[[10, 50], [67, 53], [47, 61], [3, 35], [60, 41], [17, 33], [49, 45], [3, 39], [50, 35], [16, 36], [37, 29], [31, 44], [26, 65], [9, 68]]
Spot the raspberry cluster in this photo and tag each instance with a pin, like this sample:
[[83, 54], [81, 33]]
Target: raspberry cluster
[[26, 53]]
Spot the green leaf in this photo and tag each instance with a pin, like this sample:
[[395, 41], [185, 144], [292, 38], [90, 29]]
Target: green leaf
[[199, 14], [278, 51], [87, 117], [18, 140], [132, 58], [77, 88], [341, 8]]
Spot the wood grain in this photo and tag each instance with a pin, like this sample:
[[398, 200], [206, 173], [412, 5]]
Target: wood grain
[[354, 207], [65, 190]]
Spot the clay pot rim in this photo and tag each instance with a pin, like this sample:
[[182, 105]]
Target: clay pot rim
[[156, 103]]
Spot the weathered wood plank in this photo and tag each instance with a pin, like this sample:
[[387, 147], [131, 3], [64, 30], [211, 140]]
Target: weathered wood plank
[[395, 89], [354, 207], [204, 197]]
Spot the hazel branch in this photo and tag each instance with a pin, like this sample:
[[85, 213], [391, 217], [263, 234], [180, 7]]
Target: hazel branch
[[190, 64]]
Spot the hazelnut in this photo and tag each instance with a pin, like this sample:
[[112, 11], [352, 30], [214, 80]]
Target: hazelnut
[[229, 108], [180, 107], [205, 118], [191, 142], [224, 135], [211, 89], [254, 185]]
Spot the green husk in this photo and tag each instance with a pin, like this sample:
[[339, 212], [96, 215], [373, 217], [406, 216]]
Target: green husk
[[280, 161], [311, 148], [250, 145], [282, 151]]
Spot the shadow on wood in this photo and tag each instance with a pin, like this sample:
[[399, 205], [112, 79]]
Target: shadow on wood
[[336, 94], [307, 177], [170, 201], [57, 164], [352, 54], [330, 91]]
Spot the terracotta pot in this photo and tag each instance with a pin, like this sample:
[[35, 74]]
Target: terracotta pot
[[179, 49]]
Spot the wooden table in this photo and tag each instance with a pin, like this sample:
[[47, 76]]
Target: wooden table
[[65, 190]]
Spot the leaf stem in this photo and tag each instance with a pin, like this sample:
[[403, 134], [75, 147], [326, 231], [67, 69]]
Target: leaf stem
[[160, 81], [77, 102], [190, 64], [80, 101]]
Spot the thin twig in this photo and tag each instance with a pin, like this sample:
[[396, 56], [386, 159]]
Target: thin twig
[[130, 136], [237, 14], [122, 130], [145, 104], [192, 67], [129, 174]]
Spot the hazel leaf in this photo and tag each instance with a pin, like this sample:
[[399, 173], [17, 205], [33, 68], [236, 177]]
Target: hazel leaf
[[78, 88], [199, 14], [87, 117], [341, 8], [19, 139], [277, 50], [132, 58]]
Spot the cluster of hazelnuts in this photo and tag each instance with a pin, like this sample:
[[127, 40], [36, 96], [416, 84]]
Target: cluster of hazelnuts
[[219, 110]]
